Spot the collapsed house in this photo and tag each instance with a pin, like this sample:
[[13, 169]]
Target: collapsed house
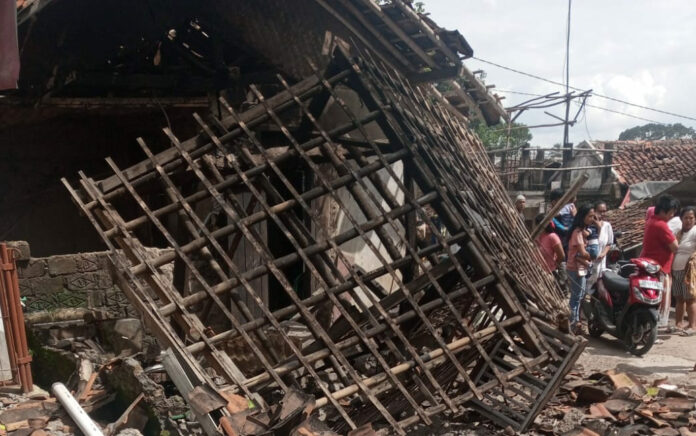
[[333, 236], [464, 294]]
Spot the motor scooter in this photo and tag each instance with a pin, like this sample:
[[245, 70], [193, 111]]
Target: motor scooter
[[627, 307]]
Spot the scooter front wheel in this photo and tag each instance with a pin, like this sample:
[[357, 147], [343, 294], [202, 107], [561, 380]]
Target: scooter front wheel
[[641, 333], [594, 327]]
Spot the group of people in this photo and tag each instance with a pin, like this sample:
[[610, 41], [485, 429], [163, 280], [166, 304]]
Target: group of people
[[670, 240], [574, 246]]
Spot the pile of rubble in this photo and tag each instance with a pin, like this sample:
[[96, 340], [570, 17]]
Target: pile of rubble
[[615, 403], [113, 371]]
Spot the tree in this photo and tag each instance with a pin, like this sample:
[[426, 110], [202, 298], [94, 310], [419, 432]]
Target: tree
[[654, 131], [497, 136]]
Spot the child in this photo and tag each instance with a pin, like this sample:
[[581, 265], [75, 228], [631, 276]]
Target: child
[[592, 235]]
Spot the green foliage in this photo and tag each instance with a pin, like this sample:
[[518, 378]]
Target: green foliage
[[653, 132], [419, 7], [497, 136]]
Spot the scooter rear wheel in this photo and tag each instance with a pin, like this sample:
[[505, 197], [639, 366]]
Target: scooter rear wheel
[[641, 333]]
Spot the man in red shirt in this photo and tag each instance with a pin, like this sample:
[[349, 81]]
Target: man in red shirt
[[660, 244]]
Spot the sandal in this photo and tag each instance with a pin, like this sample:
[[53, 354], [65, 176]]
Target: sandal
[[688, 332], [674, 330]]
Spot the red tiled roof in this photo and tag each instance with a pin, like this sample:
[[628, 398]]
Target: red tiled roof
[[630, 221], [643, 161]]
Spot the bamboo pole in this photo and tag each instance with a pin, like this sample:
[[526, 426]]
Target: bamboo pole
[[428, 357], [593, 167]]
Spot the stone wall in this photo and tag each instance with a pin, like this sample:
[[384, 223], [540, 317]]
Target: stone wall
[[80, 280], [73, 280]]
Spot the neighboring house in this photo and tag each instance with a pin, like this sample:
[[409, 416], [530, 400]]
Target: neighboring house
[[647, 168], [591, 158], [623, 173], [639, 169], [630, 219]]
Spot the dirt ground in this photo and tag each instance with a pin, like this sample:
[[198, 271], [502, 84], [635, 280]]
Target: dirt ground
[[674, 359]]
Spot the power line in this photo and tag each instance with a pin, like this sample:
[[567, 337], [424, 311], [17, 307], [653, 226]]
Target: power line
[[587, 104], [625, 114], [534, 76], [566, 126], [584, 118]]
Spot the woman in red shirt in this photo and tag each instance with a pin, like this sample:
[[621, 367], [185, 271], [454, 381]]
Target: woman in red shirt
[[578, 262], [550, 245]]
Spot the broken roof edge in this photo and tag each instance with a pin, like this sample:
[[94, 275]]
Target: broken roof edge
[[415, 45], [478, 97]]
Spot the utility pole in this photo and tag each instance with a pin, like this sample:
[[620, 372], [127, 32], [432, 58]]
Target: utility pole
[[567, 146]]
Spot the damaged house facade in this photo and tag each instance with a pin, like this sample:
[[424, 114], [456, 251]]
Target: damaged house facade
[[307, 227]]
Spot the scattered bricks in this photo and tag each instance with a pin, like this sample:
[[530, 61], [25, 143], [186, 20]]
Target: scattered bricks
[[62, 265], [33, 268], [89, 281], [22, 248]]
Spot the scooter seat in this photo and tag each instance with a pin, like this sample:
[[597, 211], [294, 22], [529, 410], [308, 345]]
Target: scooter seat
[[614, 283]]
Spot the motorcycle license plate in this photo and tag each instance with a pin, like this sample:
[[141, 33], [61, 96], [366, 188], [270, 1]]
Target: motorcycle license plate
[[649, 284]]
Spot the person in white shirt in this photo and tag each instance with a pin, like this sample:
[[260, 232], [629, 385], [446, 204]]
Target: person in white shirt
[[675, 225], [606, 240], [686, 303]]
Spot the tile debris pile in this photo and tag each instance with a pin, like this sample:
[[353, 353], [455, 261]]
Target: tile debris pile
[[470, 321], [616, 403], [630, 221]]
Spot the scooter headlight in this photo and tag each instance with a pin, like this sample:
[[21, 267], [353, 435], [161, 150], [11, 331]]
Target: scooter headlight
[[647, 296]]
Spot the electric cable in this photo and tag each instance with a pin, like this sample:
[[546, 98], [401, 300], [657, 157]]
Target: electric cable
[[586, 104], [534, 76]]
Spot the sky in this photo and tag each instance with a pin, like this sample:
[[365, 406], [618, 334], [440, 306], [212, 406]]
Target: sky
[[640, 51]]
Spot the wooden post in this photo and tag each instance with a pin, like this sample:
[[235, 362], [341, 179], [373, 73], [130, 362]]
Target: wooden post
[[567, 157], [525, 161], [538, 177]]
